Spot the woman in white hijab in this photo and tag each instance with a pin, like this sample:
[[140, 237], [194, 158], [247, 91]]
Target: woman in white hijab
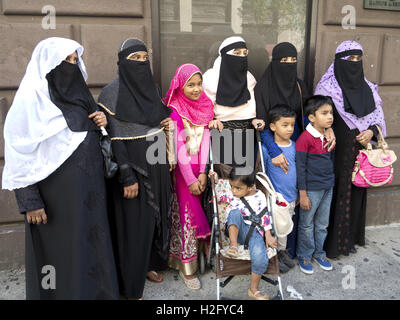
[[230, 86], [54, 164]]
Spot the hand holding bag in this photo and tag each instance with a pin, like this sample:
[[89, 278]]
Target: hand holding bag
[[373, 167], [110, 167]]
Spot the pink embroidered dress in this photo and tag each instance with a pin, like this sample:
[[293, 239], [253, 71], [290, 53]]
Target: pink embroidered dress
[[192, 141]]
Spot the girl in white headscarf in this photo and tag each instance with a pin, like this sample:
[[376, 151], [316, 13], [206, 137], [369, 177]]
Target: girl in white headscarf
[[230, 86], [54, 164]]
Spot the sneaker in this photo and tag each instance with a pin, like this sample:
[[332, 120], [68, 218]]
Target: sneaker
[[305, 266], [283, 268], [324, 263], [283, 256]]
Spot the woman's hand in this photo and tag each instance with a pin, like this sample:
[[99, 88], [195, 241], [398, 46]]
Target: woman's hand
[[270, 241], [36, 216], [99, 118], [216, 124], [203, 181], [167, 123], [131, 192], [195, 188], [172, 167], [330, 136], [281, 161], [365, 137], [258, 124]]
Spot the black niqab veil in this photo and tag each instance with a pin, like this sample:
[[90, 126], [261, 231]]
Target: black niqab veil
[[232, 84], [70, 93], [357, 95], [278, 84], [138, 98]]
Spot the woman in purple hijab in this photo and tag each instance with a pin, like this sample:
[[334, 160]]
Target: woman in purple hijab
[[358, 108]]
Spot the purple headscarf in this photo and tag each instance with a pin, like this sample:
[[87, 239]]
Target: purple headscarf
[[329, 86]]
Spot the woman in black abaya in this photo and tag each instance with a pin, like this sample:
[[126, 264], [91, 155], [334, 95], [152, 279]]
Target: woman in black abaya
[[142, 192], [55, 166]]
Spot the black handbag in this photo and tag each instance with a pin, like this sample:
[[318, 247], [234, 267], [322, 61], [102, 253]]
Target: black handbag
[[110, 166]]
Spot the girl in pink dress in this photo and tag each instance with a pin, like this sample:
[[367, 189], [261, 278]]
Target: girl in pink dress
[[192, 111]]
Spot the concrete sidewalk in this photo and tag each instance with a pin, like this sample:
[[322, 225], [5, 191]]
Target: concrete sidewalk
[[375, 267]]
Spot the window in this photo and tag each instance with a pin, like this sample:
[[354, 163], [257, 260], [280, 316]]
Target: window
[[191, 31]]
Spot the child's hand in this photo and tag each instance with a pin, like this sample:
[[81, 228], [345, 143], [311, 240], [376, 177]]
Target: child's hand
[[195, 188], [212, 173], [270, 240], [305, 202], [203, 181]]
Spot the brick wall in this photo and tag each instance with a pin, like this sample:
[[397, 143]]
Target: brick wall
[[99, 25], [378, 32]]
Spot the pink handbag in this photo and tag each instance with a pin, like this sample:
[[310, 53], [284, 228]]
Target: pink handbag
[[373, 167]]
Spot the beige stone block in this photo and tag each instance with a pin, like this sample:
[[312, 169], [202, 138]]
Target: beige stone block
[[383, 206], [391, 108], [3, 113], [101, 49], [127, 8], [332, 14], [390, 71], [12, 249], [9, 211], [17, 43], [329, 41]]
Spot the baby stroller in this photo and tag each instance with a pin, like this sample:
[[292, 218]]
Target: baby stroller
[[223, 265]]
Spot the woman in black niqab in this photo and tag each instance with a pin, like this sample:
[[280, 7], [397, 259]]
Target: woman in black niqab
[[141, 194]]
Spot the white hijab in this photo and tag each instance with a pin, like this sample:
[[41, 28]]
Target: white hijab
[[211, 76], [36, 134]]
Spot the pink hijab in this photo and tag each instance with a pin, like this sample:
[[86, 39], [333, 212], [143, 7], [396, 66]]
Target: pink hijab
[[199, 112]]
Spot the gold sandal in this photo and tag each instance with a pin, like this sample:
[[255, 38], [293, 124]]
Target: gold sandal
[[193, 284]]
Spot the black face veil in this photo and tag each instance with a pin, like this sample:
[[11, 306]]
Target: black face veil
[[232, 84], [357, 95], [278, 84], [138, 98], [70, 93]]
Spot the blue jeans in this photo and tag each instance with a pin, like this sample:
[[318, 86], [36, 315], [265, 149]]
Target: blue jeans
[[257, 248], [313, 224]]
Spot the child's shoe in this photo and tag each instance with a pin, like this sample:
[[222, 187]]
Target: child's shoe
[[283, 268], [305, 266], [285, 258], [232, 252], [258, 295], [324, 263]]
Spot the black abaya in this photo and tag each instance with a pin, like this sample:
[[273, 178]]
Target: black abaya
[[141, 225], [76, 239], [349, 203]]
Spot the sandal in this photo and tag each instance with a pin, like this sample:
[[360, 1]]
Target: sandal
[[258, 295], [193, 284], [232, 252], [153, 276]]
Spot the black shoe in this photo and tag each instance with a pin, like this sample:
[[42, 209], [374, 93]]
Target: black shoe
[[283, 256], [283, 268], [353, 250]]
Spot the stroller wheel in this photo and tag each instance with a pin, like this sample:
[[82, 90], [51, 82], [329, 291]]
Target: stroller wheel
[[202, 262]]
